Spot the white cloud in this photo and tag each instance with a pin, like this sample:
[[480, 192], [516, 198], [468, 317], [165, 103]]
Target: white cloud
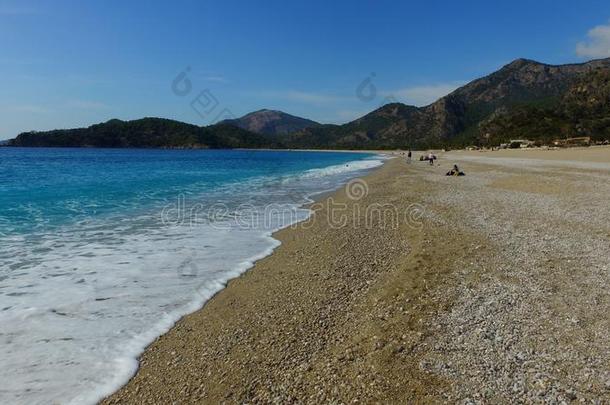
[[86, 105], [305, 97], [597, 44], [216, 79], [39, 109], [207, 75], [30, 109], [343, 116], [423, 95]]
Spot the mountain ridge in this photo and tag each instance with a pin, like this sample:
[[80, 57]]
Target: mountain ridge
[[271, 122], [148, 132], [472, 114], [453, 120]]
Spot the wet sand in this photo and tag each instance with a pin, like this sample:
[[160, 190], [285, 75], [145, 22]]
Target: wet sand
[[414, 286]]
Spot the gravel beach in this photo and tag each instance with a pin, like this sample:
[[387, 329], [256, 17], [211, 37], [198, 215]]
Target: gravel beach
[[411, 286]]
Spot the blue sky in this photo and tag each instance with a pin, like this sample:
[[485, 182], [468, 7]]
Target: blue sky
[[73, 63]]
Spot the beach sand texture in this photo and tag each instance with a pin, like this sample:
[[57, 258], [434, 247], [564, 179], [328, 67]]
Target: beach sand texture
[[493, 287]]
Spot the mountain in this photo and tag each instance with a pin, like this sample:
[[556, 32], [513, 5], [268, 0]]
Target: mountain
[[146, 133], [271, 122], [454, 120], [524, 99], [520, 84], [582, 110]]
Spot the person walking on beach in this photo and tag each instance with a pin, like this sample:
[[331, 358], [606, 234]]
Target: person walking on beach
[[431, 158], [409, 156]]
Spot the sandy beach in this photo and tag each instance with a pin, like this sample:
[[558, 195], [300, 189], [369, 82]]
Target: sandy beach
[[411, 286]]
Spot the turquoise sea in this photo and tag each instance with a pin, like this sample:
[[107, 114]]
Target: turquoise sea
[[102, 250]]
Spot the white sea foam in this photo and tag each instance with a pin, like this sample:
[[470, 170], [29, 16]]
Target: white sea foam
[[84, 304], [344, 168]]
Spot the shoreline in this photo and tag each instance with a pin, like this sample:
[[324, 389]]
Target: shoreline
[[164, 283], [237, 286], [372, 312], [279, 236], [242, 268]]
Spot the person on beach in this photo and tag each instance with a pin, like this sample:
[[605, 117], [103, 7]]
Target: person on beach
[[409, 156], [455, 171], [431, 158]]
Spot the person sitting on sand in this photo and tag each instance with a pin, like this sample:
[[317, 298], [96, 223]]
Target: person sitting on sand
[[455, 171]]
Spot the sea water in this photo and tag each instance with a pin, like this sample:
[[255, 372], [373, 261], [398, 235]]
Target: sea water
[[102, 250]]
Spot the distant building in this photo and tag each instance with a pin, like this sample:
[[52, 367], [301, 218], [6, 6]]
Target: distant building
[[520, 143], [570, 142]]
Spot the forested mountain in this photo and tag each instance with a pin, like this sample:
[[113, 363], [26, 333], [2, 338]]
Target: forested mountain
[[271, 122], [461, 118], [583, 110], [524, 99], [146, 133]]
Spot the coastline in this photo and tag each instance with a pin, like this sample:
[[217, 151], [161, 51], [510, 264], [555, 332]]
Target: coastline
[[161, 286], [235, 286], [373, 312]]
